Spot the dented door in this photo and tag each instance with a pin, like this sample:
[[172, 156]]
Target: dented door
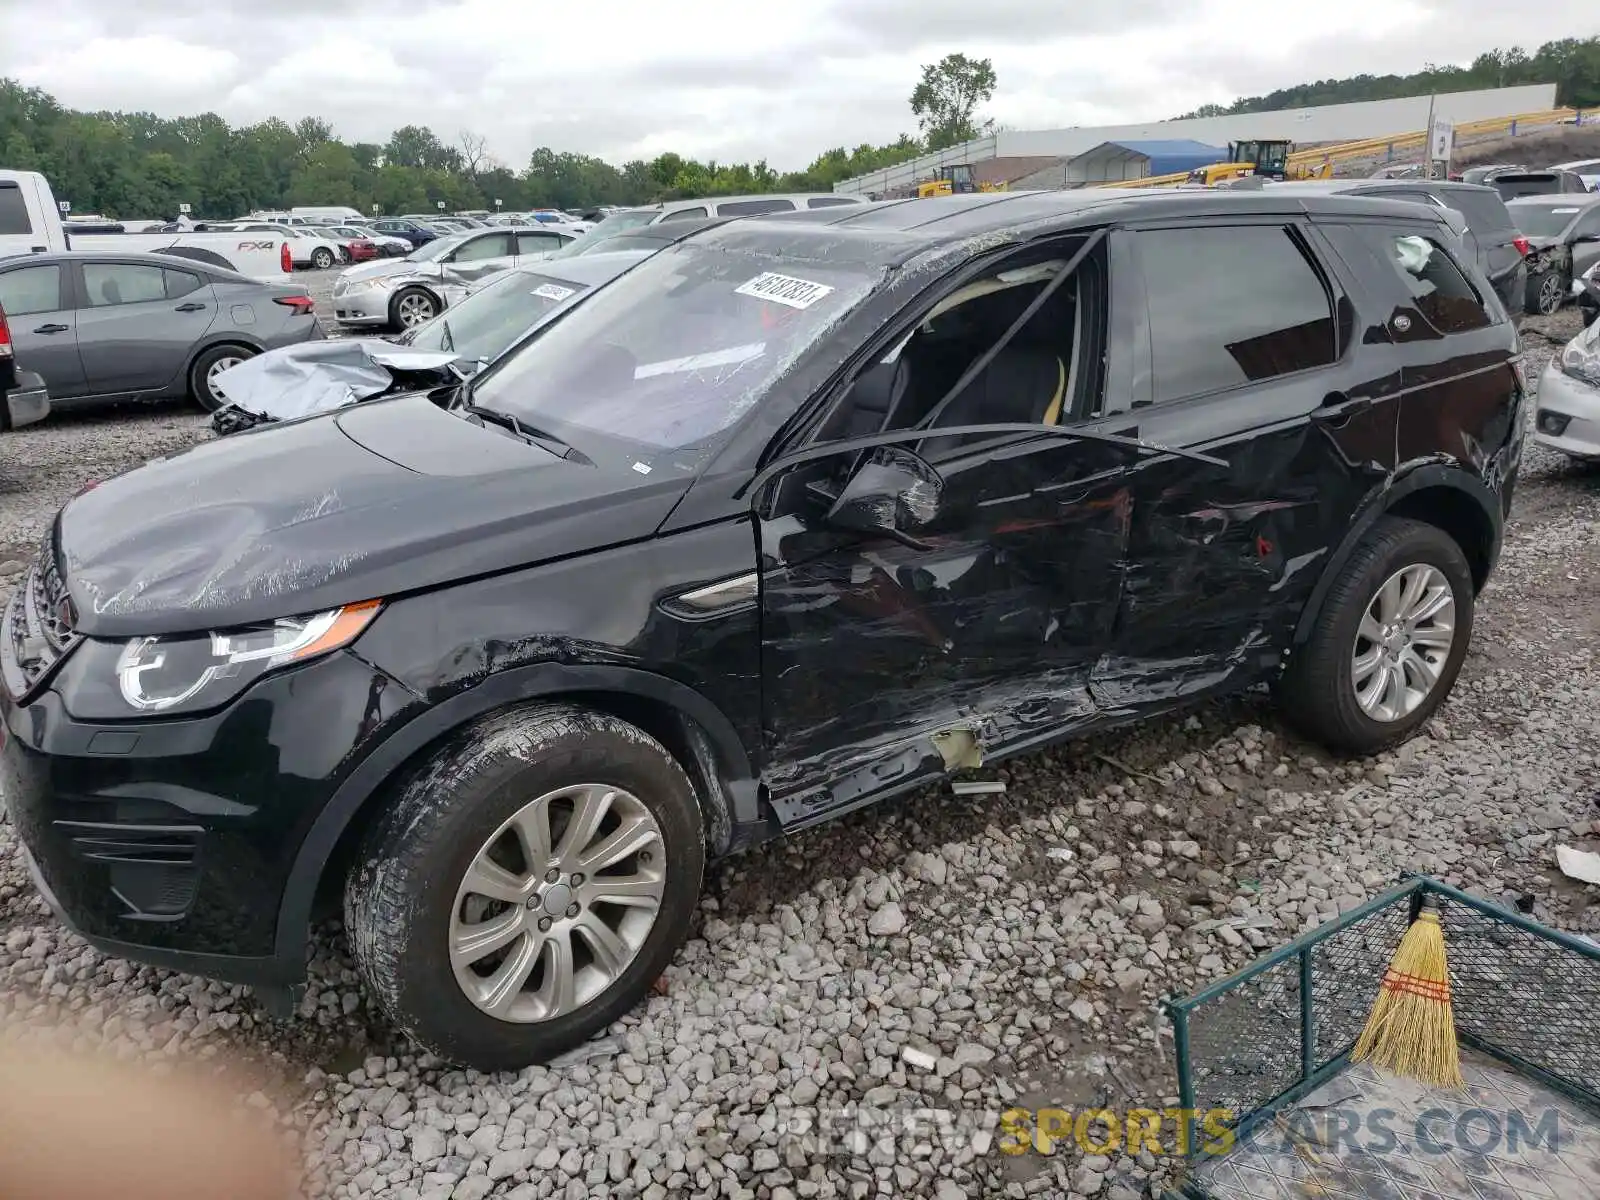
[[986, 636], [1302, 404]]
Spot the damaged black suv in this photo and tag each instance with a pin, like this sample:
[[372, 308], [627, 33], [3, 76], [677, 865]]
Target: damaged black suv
[[798, 514]]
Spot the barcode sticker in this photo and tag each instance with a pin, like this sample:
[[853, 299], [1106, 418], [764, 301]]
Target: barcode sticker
[[784, 289], [551, 291]]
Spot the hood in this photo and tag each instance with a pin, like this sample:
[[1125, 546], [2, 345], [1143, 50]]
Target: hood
[[384, 498], [319, 376], [391, 266]]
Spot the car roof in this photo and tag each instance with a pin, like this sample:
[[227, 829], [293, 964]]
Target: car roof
[[588, 268], [705, 201], [889, 232], [1335, 187]]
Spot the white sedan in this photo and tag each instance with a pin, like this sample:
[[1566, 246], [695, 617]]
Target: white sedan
[[308, 249]]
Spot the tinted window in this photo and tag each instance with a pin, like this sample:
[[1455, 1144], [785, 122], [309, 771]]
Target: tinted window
[[681, 213], [537, 243], [1543, 220], [746, 208], [1483, 210], [1437, 288], [122, 283], [828, 201], [491, 245], [13, 210], [30, 290], [1231, 306], [180, 283]]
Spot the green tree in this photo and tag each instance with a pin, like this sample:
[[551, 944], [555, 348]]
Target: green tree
[[947, 97]]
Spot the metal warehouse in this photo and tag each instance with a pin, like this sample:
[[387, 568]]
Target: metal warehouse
[[1111, 162]]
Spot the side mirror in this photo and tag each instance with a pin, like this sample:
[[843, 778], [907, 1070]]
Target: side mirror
[[892, 494]]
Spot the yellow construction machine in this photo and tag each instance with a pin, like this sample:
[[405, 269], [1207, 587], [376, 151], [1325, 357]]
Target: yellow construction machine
[[1268, 159], [955, 180]]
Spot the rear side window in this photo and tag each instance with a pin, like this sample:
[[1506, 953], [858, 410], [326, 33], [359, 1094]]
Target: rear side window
[[180, 283], [1438, 289], [122, 283], [13, 211], [828, 201], [1231, 305], [1484, 211], [748, 208], [30, 290]]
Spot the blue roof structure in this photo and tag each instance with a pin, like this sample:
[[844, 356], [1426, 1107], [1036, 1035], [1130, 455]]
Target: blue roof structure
[[1165, 157]]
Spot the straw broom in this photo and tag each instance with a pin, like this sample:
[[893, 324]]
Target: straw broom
[[1412, 1029]]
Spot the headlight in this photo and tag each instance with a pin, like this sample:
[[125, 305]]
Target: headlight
[[159, 674], [1581, 358]]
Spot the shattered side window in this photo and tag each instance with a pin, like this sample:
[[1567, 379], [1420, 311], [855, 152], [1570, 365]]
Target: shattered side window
[[1438, 289]]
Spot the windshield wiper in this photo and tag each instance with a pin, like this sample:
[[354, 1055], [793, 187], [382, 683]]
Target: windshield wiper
[[535, 437]]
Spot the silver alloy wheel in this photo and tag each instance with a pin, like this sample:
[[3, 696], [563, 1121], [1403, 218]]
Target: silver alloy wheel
[[414, 309], [221, 365], [557, 903], [1404, 642], [1550, 293]]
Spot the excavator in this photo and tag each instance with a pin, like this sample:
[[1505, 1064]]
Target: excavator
[[1268, 159]]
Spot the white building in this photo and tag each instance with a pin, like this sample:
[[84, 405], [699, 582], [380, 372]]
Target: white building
[[1014, 154]]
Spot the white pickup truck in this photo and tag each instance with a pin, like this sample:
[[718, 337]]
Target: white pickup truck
[[31, 224]]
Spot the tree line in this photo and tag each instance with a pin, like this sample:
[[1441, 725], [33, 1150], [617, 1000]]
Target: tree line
[[135, 164], [1572, 64]]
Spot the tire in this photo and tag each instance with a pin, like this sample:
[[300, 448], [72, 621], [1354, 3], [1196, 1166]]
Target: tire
[[411, 307], [1318, 690], [1547, 290], [407, 893], [210, 362], [322, 258]]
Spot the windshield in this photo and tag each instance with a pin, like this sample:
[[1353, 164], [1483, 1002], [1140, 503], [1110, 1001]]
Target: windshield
[[614, 224], [1543, 220], [669, 356], [489, 320]]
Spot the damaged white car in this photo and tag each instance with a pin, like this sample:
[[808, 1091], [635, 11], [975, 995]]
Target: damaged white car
[[318, 377]]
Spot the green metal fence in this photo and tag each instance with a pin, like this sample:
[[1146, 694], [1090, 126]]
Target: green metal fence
[[1267, 1036]]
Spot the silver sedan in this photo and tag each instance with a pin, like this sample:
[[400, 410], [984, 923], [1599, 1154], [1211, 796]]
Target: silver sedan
[[405, 292]]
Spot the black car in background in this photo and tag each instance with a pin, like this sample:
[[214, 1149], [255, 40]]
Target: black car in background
[[1487, 227], [798, 514]]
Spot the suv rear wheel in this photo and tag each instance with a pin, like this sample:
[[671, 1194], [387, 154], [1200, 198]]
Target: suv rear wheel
[[528, 884], [1388, 643]]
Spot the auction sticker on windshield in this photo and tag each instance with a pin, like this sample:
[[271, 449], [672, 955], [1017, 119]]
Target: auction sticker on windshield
[[551, 291], [784, 289]]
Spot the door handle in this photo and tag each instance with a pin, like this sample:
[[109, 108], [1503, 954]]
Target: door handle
[[1337, 408], [190, 307], [53, 329]]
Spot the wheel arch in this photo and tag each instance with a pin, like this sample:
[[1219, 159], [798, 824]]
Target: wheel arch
[[1445, 497], [692, 729], [228, 337]]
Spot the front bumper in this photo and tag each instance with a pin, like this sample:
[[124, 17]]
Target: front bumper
[[362, 306], [1567, 417], [28, 403], [172, 841]]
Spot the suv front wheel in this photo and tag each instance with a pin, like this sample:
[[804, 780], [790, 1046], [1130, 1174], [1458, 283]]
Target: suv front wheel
[[526, 886], [1388, 642]]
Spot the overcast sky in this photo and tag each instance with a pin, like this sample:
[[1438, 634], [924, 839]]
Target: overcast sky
[[730, 79]]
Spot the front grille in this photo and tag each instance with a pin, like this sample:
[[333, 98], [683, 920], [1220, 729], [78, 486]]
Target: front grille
[[38, 630]]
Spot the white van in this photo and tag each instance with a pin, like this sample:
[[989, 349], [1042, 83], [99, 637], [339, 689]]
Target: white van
[[30, 223], [331, 214]]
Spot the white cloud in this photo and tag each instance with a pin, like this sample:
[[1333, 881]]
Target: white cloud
[[723, 78]]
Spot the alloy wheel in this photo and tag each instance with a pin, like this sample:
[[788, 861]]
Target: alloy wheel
[[1550, 294], [557, 903], [1403, 642], [414, 309]]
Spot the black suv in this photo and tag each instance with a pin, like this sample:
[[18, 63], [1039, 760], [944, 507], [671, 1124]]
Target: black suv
[[798, 514]]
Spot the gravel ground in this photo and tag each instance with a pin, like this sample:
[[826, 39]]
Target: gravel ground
[[916, 966]]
